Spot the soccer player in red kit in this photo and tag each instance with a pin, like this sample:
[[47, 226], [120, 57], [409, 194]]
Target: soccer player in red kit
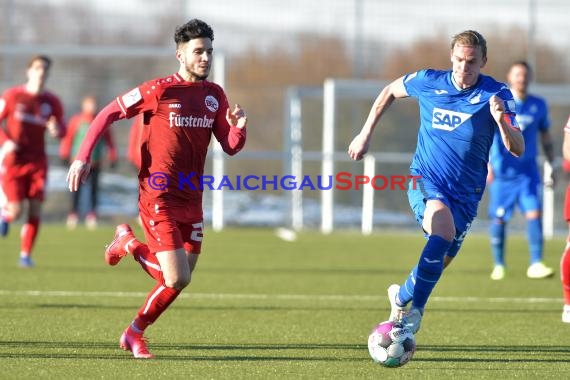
[[29, 110], [181, 112], [565, 261]]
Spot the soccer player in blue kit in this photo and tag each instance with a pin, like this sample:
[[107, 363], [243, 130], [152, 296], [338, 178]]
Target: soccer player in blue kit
[[516, 181], [460, 110]]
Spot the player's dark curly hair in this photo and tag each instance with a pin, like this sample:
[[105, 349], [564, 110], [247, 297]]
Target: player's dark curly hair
[[46, 60], [193, 29]]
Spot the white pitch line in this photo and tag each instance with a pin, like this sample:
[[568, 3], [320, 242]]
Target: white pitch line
[[284, 297]]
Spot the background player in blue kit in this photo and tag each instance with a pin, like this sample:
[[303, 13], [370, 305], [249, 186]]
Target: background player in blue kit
[[516, 181], [460, 110]]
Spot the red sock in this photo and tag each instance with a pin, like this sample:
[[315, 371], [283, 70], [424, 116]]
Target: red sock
[[565, 275], [156, 303], [146, 259], [29, 234]]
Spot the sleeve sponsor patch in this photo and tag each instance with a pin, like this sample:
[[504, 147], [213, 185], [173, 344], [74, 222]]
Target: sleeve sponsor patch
[[132, 97]]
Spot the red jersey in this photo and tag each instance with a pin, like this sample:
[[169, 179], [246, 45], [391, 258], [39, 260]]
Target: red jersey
[[179, 119], [26, 116]]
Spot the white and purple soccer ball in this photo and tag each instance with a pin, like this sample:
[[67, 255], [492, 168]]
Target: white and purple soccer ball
[[391, 344]]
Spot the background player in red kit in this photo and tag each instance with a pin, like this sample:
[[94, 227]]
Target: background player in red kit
[[29, 110], [181, 112]]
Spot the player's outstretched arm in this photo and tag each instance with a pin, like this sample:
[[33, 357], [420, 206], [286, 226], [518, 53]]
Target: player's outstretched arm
[[232, 133], [236, 118], [55, 127], [510, 135], [359, 145], [55, 124]]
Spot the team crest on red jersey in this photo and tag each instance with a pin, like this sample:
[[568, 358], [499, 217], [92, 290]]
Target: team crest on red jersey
[[45, 109], [211, 103]]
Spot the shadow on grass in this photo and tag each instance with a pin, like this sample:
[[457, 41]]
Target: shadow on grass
[[188, 352], [192, 352]]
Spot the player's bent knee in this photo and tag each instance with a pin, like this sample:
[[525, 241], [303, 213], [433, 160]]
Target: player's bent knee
[[178, 282], [13, 210], [445, 233]]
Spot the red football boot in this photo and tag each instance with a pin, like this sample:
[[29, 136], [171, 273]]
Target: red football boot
[[135, 343], [119, 246]]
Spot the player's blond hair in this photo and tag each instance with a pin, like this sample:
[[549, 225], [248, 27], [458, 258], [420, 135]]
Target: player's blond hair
[[470, 38]]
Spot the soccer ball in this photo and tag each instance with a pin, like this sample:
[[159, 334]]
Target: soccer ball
[[391, 344]]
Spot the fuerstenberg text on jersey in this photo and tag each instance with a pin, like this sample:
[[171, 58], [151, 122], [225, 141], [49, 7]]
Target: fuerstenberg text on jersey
[[176, 120]]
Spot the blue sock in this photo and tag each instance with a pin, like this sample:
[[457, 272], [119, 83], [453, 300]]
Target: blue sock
[[498, 242], [407, 289], [4, 225], [429, 270], [534, 236]]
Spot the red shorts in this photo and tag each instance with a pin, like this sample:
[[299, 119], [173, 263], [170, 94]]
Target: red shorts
[[24, 181], [168, 228]]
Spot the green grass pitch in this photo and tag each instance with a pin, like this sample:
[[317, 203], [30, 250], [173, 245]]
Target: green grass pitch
[[262, 308]]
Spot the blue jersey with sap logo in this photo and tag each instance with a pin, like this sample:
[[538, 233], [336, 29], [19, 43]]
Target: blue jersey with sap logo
[[456, 131], [532, 117]]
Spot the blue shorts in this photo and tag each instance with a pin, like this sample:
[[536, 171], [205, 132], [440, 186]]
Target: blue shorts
[[505, 194], [463, 212]]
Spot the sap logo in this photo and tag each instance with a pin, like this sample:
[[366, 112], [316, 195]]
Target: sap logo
[[175, 105], [448, 120]]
